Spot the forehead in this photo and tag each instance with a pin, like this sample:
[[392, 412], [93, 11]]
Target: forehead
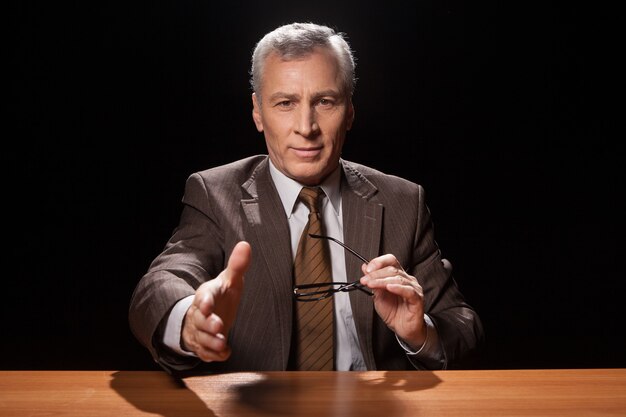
[[316, 70]]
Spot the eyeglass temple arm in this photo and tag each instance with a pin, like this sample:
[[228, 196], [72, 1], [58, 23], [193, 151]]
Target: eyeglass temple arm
[[352, 251]]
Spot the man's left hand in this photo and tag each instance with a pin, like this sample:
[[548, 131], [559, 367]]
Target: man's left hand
[[398, 298]]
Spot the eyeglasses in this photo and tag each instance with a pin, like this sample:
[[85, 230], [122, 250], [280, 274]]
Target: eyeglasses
[[321, 290]]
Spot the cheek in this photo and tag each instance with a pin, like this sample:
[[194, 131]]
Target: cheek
[[276, 130], [272, 146], [338, 141], [275, 144]]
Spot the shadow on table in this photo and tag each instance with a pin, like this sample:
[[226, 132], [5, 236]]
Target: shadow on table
[[164, 395], [324, 394], [342, 395]]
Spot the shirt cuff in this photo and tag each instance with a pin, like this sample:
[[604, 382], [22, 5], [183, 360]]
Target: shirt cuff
[[430, 352], [174, 326]]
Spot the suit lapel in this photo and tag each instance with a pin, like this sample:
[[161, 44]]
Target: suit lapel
[[268, 233], [362, 224]]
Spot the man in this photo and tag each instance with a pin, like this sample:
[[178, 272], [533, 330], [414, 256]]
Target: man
[[222, 291]]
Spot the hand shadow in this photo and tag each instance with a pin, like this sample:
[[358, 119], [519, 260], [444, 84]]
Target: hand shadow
[[331, 394], [159, 393]]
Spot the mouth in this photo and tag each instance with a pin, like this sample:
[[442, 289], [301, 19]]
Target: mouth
[[307, 152]]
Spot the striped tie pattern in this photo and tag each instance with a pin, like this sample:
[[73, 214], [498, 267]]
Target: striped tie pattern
[[314, 319]]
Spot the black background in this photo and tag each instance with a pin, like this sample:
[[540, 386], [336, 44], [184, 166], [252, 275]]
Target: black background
[[507, 113]]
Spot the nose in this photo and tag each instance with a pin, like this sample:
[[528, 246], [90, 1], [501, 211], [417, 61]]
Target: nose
[[306, 124]]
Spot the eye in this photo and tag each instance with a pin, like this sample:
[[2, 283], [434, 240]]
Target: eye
[[325, 102], [284, 103]]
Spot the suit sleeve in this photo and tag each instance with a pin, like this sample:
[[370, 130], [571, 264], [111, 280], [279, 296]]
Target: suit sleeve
[[193, 255], [458, 325]]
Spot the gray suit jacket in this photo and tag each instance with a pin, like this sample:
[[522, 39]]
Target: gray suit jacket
[[238, 201]]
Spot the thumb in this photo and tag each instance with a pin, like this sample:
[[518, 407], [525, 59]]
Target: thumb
[[238, 264]]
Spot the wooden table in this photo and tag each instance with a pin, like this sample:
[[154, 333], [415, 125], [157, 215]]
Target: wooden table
[[584, 392]]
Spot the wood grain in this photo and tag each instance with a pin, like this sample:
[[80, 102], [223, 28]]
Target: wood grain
[[562, 392]]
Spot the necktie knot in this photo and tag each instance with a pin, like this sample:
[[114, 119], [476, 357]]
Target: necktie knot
[[310, 197]]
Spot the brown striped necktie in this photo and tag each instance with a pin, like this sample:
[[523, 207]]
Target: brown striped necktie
[[314, 319]]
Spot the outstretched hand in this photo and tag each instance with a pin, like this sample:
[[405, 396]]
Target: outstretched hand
[[213, 311], [398, 298]]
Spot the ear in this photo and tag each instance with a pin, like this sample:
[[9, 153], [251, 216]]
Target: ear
[[350, 115], [256, 113]]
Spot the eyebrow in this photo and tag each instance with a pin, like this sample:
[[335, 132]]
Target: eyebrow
[[317, 95], [280, 94], [332, 93]]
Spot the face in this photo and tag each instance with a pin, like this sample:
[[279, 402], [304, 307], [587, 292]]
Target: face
[[304, 114]]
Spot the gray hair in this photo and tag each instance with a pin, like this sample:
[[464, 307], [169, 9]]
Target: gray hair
[[298, 40]]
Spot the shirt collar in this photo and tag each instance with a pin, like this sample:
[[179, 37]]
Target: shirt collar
[[289, 189]]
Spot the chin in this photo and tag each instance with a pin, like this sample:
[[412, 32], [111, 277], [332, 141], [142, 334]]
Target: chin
[[307, 178], [306, 175]]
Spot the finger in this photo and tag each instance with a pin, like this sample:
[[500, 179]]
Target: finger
[[371, 279], [231, 277], [204, 301], [382, 262], [211, 342], [205, 337], [407, 292], [387, 272], [238, 264], [212, 348], [212, 324], [382, 282]]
